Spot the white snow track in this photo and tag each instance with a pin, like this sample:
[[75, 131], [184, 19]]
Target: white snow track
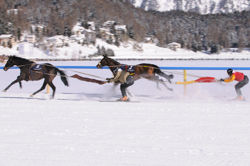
[[166, 128]]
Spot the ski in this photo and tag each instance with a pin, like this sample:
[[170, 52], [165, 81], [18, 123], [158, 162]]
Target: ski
[[237, 99]]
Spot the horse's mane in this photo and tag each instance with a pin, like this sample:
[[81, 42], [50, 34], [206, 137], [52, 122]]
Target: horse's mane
[[22, 59], [114, 61]]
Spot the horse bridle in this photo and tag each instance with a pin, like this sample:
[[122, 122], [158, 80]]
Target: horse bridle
[[11, 64], [100, 64]]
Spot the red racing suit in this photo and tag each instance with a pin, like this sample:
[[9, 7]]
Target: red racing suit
[[243, 80], [237, 76]]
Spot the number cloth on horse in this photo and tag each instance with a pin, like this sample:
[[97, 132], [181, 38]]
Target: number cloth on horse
[[128, 68], [36, 67]]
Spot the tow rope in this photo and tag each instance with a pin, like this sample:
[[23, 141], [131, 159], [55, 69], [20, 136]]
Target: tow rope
[[88, 79]]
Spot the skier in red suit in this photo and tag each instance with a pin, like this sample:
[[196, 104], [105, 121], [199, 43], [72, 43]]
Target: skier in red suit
[[237, 76]]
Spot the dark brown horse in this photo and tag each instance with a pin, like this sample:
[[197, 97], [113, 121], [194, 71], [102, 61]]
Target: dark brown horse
[[30, 71], [143, 70]]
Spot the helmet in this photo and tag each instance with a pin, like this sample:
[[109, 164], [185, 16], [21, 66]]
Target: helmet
[[230, 71]]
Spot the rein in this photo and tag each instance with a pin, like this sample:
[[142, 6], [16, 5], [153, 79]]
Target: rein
[[175, 72], [32, 64], [86, 74]]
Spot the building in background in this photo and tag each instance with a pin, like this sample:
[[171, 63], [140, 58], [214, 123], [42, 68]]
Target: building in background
[[174, 45], [31, 38], [5, 39]]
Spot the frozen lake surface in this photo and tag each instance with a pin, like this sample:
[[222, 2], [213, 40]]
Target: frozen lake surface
[[202, 128]]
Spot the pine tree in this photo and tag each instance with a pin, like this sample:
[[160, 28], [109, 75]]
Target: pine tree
[[31, 30], [69, 32], [103, 51], [194, 46], [18, 33], [110, 52], [241, 44]]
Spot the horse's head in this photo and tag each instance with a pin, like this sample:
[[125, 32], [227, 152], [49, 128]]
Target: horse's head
[[10, 63], [103, 62]]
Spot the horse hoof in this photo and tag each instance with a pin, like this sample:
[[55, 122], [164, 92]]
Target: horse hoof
[[31, 95], [171, 76]]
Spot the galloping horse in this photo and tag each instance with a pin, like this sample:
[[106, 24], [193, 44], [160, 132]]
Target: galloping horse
[[30, 71], [143, 70]]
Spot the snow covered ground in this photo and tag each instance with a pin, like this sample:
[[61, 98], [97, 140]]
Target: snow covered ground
[[202, 128], [126, 50]]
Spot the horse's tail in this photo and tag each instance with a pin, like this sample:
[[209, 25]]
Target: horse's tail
[[158, 71], [63, 77]]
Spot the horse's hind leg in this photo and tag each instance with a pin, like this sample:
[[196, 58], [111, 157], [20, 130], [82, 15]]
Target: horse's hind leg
[[53, 88], [156, 78], [168, 77], [42, 88], [157, 85], [20, 85], [162, 82]]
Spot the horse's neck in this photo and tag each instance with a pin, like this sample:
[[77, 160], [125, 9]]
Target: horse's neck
[[23, 64], [112, 66]]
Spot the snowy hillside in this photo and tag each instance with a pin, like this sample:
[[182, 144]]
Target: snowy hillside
[[200, 6], [126, 50]]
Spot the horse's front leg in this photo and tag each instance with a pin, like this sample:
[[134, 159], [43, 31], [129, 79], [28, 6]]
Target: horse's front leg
[[157, 85], [162, 82], [158, 80], [19, 79]]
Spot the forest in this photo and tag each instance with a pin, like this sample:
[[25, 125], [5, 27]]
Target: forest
[[192, 30]]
